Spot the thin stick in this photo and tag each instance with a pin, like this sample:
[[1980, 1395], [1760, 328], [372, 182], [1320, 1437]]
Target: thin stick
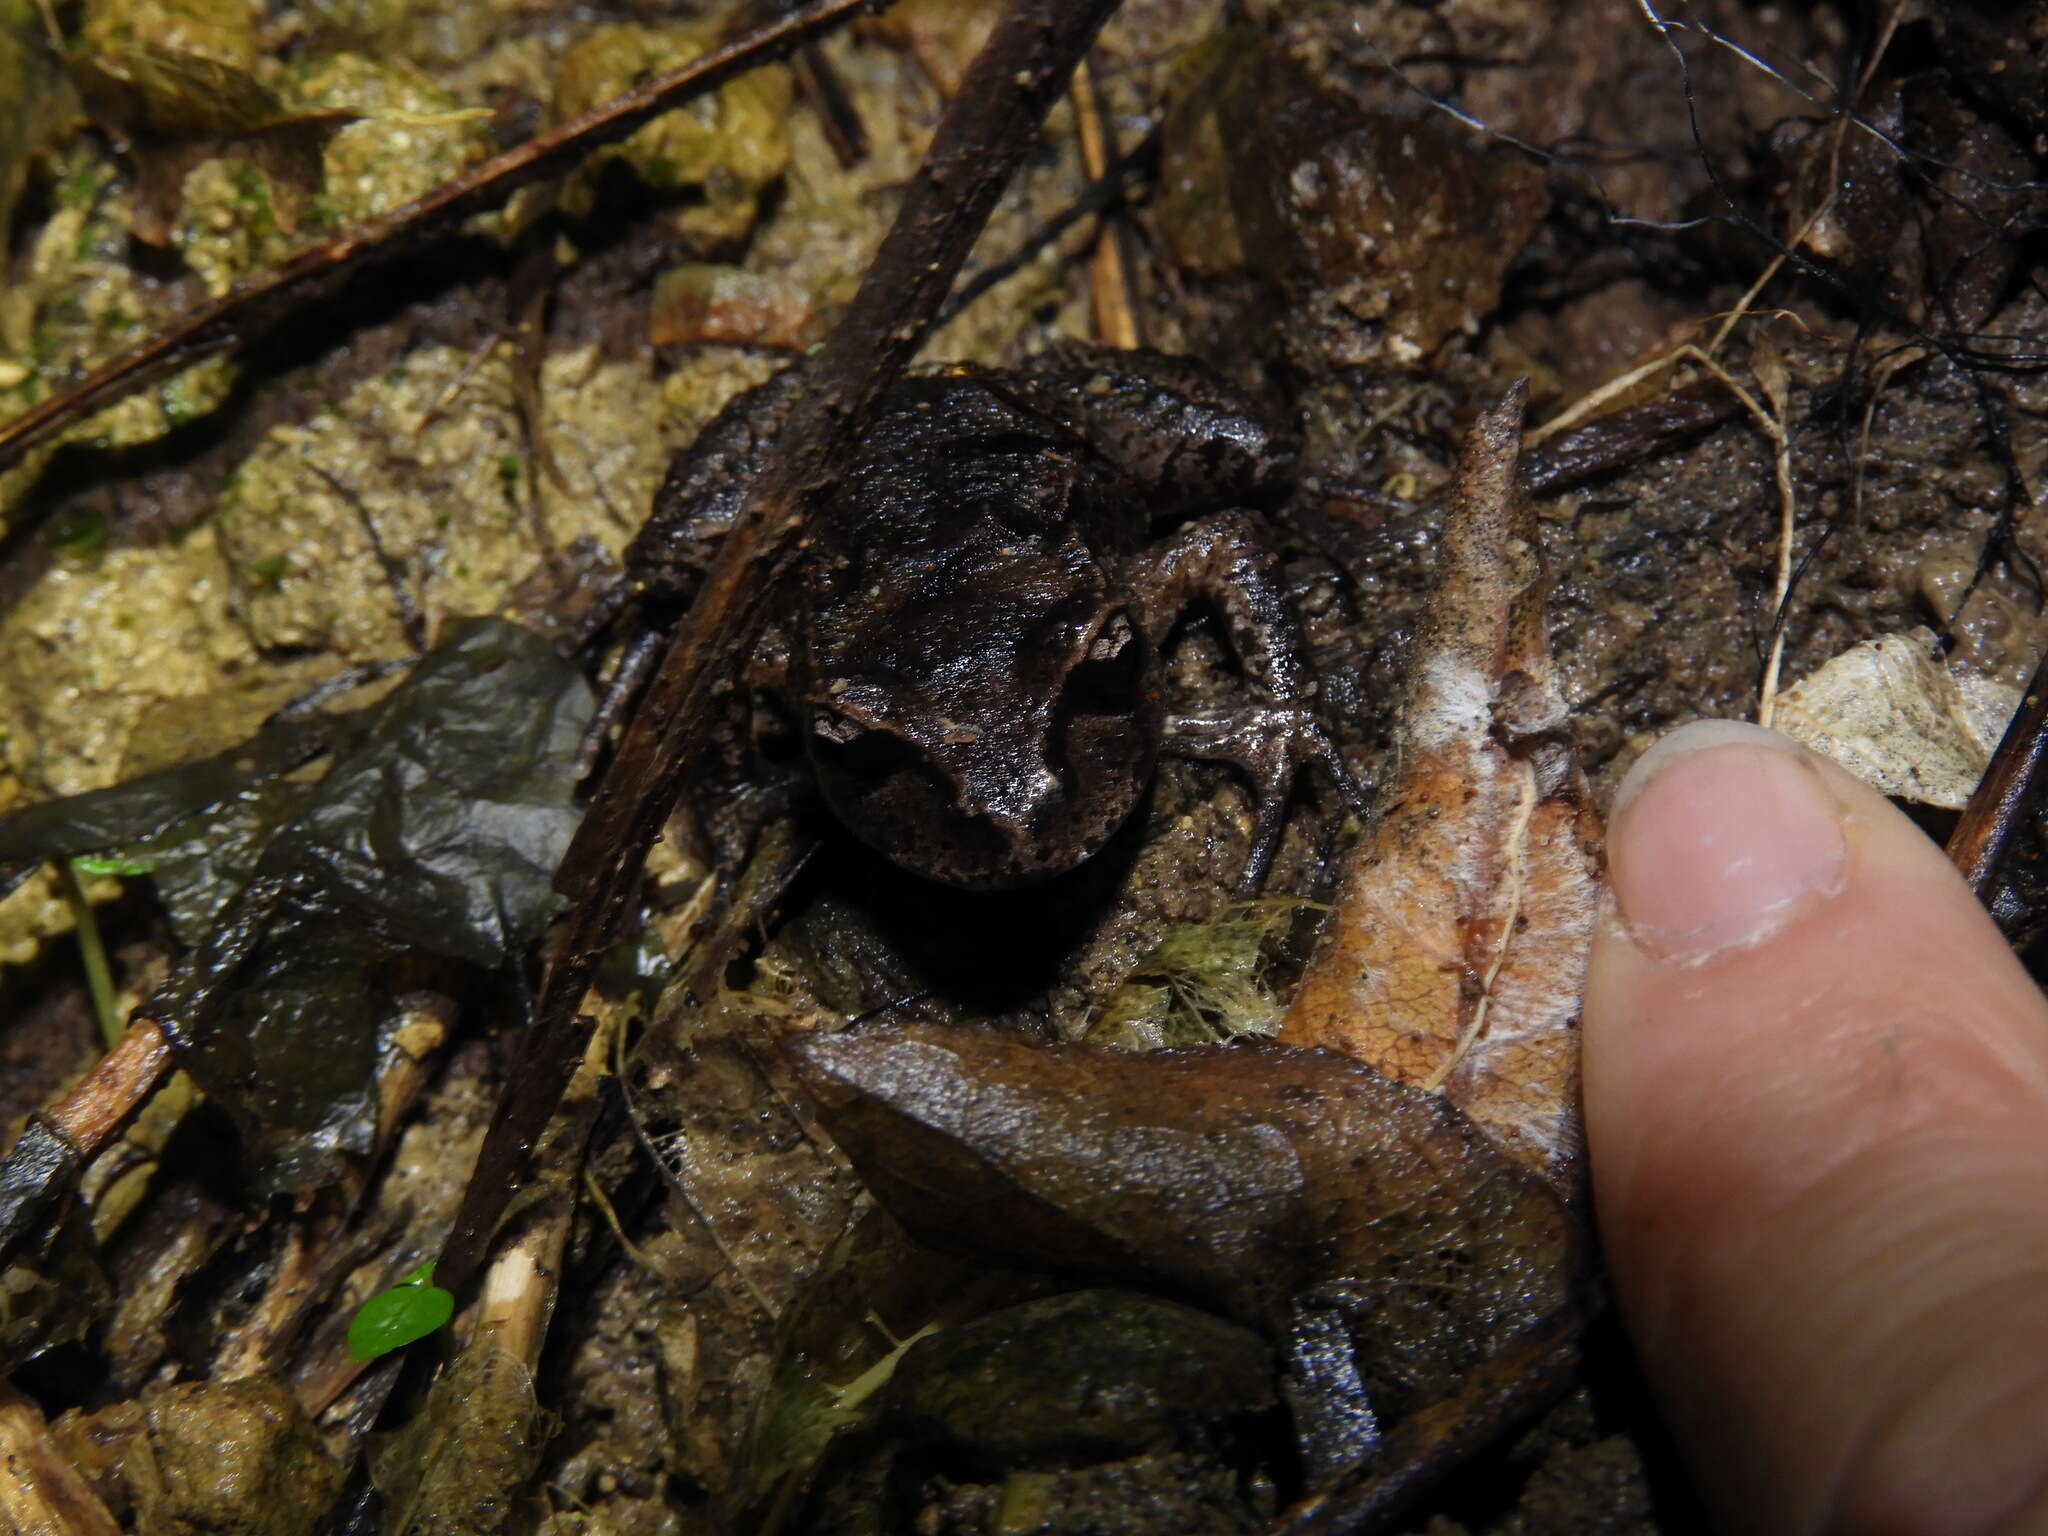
[[258, 303], [1788, 512], [1109, 278], [1996, 812]]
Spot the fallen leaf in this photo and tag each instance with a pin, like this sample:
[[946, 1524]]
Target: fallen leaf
[[705, 303], [1889, 712], [1458, 950], [1276, 1183]]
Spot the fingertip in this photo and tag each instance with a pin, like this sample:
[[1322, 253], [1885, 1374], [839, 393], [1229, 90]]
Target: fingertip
[[1817, 1104]]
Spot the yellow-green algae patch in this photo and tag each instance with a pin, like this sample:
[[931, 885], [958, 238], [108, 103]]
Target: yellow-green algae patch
[[730, 144], [96, 642], [414, 135], [432, 459], [73, 302]]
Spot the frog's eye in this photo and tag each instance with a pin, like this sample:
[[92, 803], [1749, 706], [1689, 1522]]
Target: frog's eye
[[830, 725]]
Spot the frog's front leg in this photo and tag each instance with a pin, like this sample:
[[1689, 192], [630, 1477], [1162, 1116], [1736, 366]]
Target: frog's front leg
[[700, 496], [1224, 560]]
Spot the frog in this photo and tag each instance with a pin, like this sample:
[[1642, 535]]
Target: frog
[[972, 646]]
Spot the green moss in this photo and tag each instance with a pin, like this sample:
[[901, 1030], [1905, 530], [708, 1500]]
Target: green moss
[[78, 532]]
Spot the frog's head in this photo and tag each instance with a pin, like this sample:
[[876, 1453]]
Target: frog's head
[[987, 727]]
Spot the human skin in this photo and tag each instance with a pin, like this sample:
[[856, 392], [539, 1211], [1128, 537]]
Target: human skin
[[1816, 1088]]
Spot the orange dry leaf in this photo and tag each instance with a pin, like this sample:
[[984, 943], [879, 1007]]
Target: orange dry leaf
[[1458, 951]]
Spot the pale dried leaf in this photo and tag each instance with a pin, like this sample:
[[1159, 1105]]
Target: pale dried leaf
[[1889, 712], [1458, 951]]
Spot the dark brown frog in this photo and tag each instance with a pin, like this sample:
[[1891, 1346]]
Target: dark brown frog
[[972, 652]]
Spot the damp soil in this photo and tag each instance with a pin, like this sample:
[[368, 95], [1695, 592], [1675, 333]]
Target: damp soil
[[1796, 225]]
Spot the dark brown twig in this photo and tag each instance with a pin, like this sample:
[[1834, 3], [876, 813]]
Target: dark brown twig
[[1996, 811], [988, 128], [822, 87], [410, 619], [43, 1164], [257, 303]]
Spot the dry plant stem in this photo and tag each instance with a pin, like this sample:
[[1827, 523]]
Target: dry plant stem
[[523, 1281], [456, 385], [41, 1493], [1773, 425], [93, 1112], [1109, 278], [1834, 181], [1998, 809], [987, 129], [258, 303]]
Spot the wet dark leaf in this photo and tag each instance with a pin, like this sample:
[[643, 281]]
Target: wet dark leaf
[[124, 815], [435, 831], [445, 819], [1090, 1375], [1282, 1185], [55, 1289], [280, 1016]]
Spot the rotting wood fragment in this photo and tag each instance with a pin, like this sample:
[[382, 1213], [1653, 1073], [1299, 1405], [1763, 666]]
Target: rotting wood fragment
[[1456, 956]]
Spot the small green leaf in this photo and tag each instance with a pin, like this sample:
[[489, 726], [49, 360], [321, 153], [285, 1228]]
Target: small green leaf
[[392, 1319], [111, 864]]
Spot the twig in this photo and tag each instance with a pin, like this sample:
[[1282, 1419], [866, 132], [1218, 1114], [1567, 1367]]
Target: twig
[[257, 303], [93, 1112], [822, 87], [43, 1164], [987, 129], [1101, 194], [1997, 810], [410, 619], [1109, 277], [40, 1490]]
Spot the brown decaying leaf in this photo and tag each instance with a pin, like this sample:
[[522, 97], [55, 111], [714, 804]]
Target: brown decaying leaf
[[1269, 1181], [1456, 957], [730, 306]]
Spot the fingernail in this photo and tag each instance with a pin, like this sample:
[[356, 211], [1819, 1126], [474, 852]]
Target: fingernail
[[1721, 836]]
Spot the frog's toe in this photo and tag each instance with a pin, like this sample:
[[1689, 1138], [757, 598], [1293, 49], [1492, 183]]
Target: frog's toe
[[1271, 744]]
